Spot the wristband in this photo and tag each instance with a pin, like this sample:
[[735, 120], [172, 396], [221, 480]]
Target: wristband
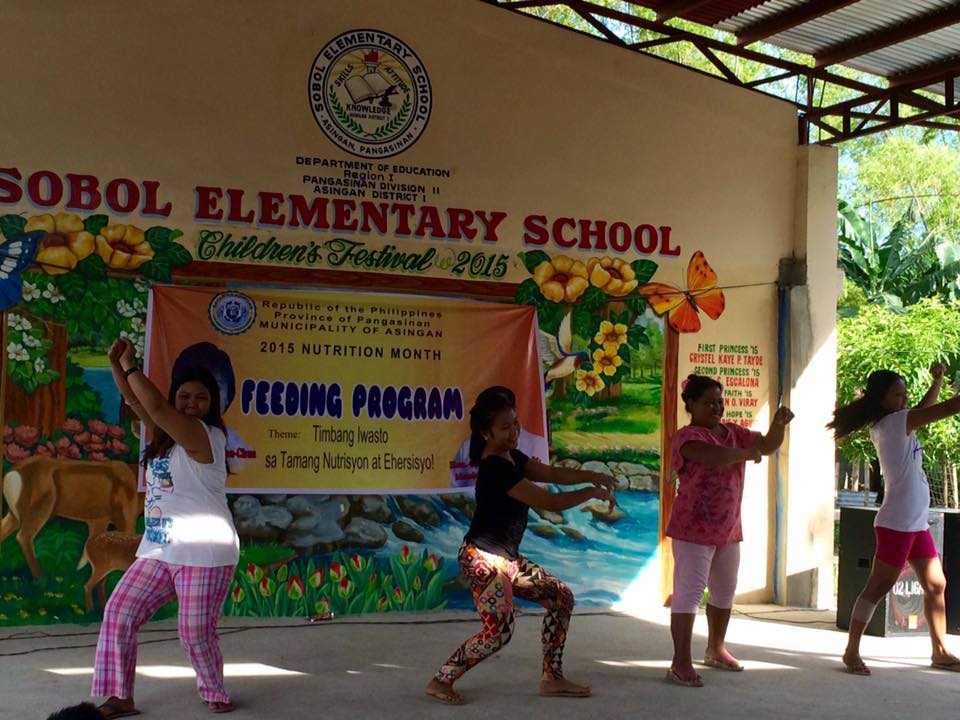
[[130, 371]]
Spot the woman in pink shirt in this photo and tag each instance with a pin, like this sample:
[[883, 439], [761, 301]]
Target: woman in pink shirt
[[709, 457]]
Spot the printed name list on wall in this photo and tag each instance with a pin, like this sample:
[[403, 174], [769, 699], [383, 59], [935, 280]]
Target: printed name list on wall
[[335, 391]]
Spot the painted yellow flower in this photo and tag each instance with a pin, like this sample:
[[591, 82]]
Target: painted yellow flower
[[65, 244], [123, 247], [589, 381], [607, 361], [611, 336], [561, 279], [612, 275]]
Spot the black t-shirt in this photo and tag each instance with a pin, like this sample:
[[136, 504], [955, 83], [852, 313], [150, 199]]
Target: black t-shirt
[[499, 520]]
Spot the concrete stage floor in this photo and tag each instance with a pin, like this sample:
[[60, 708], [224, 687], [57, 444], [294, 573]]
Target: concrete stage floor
[[377, 667]]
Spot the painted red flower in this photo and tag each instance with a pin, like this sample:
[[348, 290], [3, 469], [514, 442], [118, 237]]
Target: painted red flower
[[72, 452], [316, 578], [295, 588], [63, 443], [98, 426], [337, 571], [26, 435], [7, 434], [82, 438], [117, 432], [72, 426], [405, 555], [345, 587], [97, 456], [238, 594], [14, 453]]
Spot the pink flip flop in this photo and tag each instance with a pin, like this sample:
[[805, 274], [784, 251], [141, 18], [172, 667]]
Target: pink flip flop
[[728, 663], [690, 679]]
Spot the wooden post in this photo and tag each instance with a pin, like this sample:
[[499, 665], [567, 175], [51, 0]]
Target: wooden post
[[953, 487], [668, 426]]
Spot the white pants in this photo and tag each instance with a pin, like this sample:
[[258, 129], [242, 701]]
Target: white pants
[[696, 567]]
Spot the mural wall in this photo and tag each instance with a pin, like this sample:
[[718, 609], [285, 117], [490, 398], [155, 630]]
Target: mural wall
[[498, 158], [70, 448]]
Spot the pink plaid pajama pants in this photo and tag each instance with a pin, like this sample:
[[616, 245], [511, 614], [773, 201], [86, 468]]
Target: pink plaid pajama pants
[[144, 588]]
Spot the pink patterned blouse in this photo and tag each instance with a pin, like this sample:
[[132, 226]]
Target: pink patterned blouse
[[707, 508]]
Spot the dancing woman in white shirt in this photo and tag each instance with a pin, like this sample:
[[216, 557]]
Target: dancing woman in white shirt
[[901, 526], [190, 546]]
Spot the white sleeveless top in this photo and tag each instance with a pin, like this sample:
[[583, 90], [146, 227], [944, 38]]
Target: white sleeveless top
[[186, 517], [906, 497]]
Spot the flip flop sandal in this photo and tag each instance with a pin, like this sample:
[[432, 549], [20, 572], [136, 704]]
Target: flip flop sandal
[[952, 666], [690, 681], [111, 710], [215, 706], [862, 670], [586, 692], [729, 663], [447, 697]]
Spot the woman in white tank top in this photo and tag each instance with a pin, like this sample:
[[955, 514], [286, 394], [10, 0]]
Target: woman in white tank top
[[190, 546]]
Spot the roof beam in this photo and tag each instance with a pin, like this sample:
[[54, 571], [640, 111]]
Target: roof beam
[[930, 73], [893, 35], [674, 8], [789, 19]]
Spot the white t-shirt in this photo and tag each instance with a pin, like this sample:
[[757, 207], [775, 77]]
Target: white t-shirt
[[906, 497], [463, 474], [186, 517]]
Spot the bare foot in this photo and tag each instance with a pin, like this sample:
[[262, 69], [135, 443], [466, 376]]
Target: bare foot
[[854, 663], [444, 692], [561, 687]]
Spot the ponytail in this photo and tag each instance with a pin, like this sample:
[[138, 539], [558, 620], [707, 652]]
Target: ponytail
[[865, 410]]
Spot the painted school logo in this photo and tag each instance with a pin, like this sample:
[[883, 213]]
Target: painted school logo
[[232, 313], [370, 93]]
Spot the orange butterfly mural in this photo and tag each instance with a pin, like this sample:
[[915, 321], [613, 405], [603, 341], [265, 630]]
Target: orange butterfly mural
[[684, 306]]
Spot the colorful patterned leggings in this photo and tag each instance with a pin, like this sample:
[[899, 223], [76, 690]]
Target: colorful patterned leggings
[[494, 580], [144, 588]]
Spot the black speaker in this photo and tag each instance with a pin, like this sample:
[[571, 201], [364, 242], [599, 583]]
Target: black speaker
[[950, 556], [901, 611]]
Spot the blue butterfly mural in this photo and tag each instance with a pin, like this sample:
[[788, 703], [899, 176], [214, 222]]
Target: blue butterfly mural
[[15, 256]]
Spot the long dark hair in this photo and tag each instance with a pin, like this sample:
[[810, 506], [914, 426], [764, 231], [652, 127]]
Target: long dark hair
[[695, 386], [162, 443], [867, 409], [490, 403]]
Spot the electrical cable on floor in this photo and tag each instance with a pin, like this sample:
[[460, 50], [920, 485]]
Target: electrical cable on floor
[[234, 629]]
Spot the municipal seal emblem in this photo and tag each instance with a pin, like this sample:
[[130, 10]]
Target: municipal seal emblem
[[369, 93], [232, 313]]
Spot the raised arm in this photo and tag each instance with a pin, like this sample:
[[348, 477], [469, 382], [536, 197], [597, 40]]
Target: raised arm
[[933, 394], [768, 444], [920, 416], [550, 475], [124, 387], [186, 431]]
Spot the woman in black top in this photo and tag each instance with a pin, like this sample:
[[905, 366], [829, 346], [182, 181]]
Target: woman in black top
[[490, 557]]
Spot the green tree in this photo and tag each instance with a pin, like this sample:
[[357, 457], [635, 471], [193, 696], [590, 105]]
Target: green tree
[[907, 342], [908, 264]]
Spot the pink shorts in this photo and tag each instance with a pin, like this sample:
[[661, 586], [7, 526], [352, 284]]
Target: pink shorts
[[896, 548], [696, 567]]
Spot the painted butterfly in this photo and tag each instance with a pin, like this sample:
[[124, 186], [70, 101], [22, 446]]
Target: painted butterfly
[[684, 306], [16, 255]]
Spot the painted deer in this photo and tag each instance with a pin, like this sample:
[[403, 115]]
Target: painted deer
[[41, 487], [105, 553]]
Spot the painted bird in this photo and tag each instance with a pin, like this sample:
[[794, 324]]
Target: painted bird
[[555, 352]]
